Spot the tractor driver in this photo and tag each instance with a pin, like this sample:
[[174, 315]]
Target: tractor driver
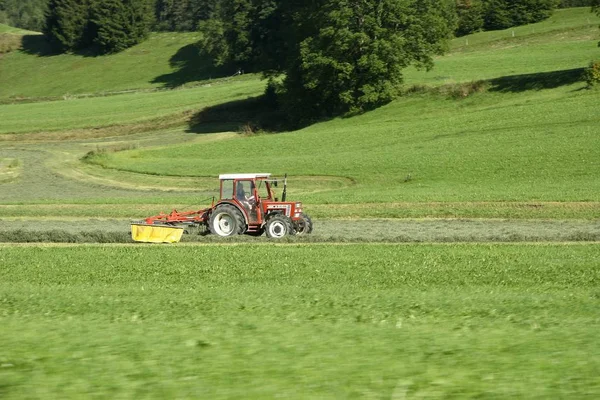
[[246, 197]]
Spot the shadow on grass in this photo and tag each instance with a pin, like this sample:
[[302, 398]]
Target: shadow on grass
[[538, 81], [37, 45], [191, 65], [244, 116]]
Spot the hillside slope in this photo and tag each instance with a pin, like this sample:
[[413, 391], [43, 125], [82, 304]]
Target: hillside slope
[[15, 31], [166, 60], [534, 145], [565, 41], [170, 60], [529, 134]]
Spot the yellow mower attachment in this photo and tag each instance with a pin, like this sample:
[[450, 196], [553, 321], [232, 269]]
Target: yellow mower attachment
[[156, 233]]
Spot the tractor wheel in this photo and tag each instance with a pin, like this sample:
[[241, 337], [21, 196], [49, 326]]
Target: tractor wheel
[[226, 220], [279, 226], [304, 225]]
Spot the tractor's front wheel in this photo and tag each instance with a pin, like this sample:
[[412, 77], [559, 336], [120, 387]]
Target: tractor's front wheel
[[304, 225], [278, 227], [226, 220]]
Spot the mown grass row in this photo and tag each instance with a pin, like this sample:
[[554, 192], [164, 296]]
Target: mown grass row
[[261, 321], [145, 205], [344, 236]]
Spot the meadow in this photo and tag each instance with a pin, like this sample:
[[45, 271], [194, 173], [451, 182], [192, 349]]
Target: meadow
[[525, 136], [126, 109], [455, 252], [422, 148], [327, 321], [164, 61]]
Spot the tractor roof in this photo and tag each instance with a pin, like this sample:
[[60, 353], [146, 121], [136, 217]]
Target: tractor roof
[[244, 176]]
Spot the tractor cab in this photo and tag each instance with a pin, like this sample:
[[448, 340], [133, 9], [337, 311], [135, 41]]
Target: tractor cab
[[247, 205]]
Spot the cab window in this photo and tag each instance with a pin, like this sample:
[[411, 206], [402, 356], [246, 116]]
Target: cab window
[[244, 190], [263, 191], [227, 189]]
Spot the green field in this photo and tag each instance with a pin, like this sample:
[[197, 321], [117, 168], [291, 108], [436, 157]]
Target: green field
[[345, 321], [166, 60], [559, 43], [528, 135], [484, 148], [123, 110], [15, 31], [455, 252]]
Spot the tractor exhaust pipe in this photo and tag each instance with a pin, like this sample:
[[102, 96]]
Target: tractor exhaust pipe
[[284, 194]]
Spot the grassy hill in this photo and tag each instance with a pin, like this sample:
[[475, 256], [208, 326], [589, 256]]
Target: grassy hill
[[170, 60], [15, 31], [11, 38], [490, 146], [562, 42], [527, 134], [130, 108], [166, 60], [514, 158]]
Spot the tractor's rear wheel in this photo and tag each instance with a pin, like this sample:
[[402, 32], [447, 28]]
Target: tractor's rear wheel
[[278, 227], [304, 225], [226, 220]]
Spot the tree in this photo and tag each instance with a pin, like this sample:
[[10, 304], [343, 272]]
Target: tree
[[240, 32], [502, 14], [66, 24], [470, 16], [574, 3], [336, 55], [531, 11], [110, 25], [120, 24], [25, 14], [596, 9], [497, 15], [353, 61], [182, 15]]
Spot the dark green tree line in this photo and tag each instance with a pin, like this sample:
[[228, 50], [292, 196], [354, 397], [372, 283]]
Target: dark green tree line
[[574, 3], [107, 25], [182, 15], [596, 9], [67, 24], [116, 25], [25, 14], [470, 16], [241, 33], [354, 60], [336, 55], [475, 15]]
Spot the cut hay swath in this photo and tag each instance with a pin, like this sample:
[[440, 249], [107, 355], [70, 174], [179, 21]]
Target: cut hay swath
[[156, 233]]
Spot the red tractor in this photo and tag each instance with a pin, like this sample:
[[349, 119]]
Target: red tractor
[[246, 205]]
